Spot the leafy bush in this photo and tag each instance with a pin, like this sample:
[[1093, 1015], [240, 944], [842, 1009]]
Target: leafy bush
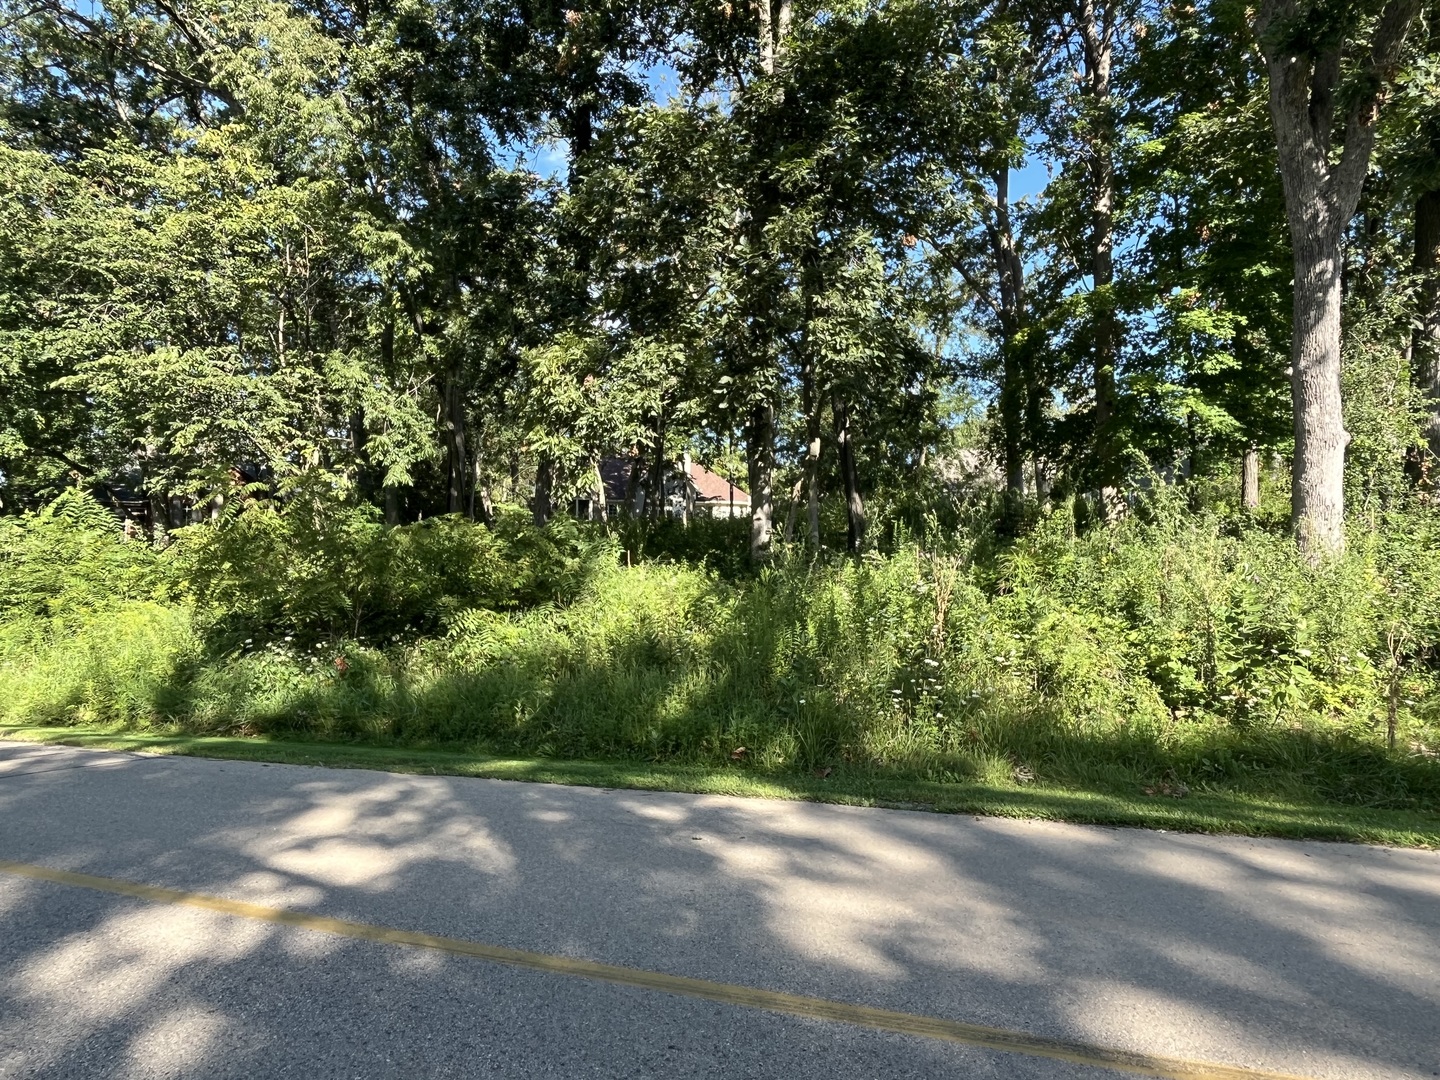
[[721, 544], [322, 567], [70, 560], [1169, 648], [127, 666]]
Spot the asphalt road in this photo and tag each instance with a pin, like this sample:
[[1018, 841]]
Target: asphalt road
[[1309, 959]]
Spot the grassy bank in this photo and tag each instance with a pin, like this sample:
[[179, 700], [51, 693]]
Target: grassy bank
[[1233, 814], [1181, 671]]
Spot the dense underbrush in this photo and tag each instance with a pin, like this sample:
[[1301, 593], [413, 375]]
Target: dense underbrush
[[1173, 652]]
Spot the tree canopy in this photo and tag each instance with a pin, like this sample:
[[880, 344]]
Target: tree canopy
[[437, 255]]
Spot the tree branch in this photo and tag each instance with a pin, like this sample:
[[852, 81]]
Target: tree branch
[[1364, 111]]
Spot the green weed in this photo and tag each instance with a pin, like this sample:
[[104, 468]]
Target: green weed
[[1180, 656]]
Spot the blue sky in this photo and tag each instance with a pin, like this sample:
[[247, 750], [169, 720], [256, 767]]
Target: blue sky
[[549, 159], [1030, 179]]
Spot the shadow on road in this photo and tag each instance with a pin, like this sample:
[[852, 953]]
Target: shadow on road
[[1318, 959]]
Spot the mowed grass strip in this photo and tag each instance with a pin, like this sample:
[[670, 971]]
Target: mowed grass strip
[[1196, 812]]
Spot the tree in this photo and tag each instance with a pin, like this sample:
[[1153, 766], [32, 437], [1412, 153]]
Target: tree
[[1410, 154], [1214, 264], [1324, 106]]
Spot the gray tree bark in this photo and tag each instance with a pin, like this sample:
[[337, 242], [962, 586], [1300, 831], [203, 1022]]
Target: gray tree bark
[[159, 519], [457, 467], [793, 509], [760, 428], [810, 406], [542, 506], [482, 506], [1322, 190], [849, 477], [760, 454], [1097, 34], [656, 496], [1011, 275], [602, 507], [1250, 480]]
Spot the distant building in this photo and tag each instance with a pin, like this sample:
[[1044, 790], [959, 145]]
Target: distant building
[[716, 496], [689, 488]]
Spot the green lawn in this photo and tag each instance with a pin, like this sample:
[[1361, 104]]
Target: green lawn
[[1208, 813]]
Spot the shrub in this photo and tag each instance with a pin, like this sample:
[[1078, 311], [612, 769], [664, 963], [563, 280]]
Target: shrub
[[70, 560], [1167, 646], [324, 568]]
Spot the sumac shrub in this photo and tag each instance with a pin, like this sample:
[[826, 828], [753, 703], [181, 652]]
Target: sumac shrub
[[320, 567]]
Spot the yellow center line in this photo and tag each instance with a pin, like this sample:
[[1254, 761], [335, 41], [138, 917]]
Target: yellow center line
[[930, 1027]]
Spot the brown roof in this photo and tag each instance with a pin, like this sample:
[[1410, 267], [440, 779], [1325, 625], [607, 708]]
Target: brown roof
[[709, 487], [712, 488]]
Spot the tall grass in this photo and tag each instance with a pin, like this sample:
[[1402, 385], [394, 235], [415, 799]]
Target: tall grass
[[1175, 652]]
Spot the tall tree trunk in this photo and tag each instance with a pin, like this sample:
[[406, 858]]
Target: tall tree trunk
[[775, 19], [542, 506], [457, 466], [1193, 465], [687, 490], [1034, 421], [1012, 421], [760, 425], [482, 506], [1042, 481], [1425, 338], [810, 474], [766, 37], [774, 25], [793, 510], [1250, 480], [158, 500], [1097, 34], [159, 518], [657, 476], [1322, 189], [845, 451], [365, 479], [1317, 504], [389, 493], [1011, 276], [634, 489], [812, 504], [760, 455]]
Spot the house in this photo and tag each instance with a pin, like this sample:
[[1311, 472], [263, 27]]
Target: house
[[690, 488], [715, 496]]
